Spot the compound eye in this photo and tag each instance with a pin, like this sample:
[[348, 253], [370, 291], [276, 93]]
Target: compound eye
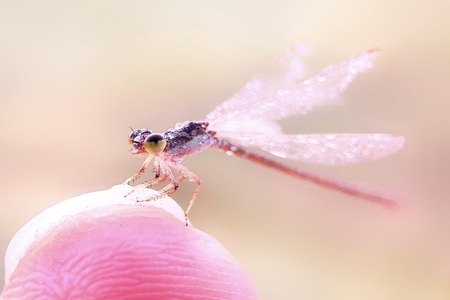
[[155, 143]]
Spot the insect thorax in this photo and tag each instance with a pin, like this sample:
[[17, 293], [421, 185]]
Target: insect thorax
[[188, 138]]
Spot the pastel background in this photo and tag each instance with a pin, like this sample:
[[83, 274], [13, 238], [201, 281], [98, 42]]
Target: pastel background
[[75, 75]]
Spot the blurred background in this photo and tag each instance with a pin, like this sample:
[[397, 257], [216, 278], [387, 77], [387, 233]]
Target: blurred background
[[76, 75]]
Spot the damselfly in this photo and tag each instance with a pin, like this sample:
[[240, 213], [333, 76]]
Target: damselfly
[[248, 120]]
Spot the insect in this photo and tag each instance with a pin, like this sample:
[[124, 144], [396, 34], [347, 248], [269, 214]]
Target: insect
[[248, 120]]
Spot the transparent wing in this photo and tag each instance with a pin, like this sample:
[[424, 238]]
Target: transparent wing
[[327, 149], [238, 128], [265, 97], [284, 69]]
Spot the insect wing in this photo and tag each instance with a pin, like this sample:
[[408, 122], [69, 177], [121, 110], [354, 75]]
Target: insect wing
[[327, 149], [284, 69], [263, 99], [236, 129], [248, 117]]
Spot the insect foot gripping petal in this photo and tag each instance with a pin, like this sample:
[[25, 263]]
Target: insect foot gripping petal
[[164, 192]]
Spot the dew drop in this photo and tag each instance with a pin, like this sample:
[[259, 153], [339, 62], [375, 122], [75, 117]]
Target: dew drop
[[229, 152]]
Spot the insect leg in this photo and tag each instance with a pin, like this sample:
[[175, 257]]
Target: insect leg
[[157, 164], [186, 173], [141, 170], [148, 184], [168, 189]]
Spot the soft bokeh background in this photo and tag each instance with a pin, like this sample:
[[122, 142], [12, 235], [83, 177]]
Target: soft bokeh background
[[75, 75]]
